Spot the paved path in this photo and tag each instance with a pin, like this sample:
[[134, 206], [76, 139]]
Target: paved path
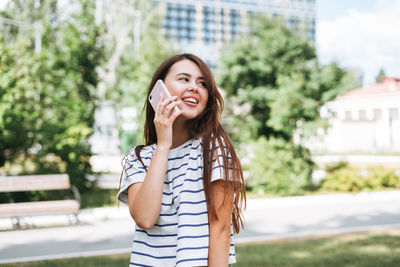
[[313, 215], [109, 230]]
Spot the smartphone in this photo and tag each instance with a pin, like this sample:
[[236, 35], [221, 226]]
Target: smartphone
[[155, 94]]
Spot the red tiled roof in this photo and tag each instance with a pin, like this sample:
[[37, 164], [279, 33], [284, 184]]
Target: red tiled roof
[[389, 87]]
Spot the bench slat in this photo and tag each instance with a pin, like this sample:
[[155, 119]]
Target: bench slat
[[34, 182], [39, 208]]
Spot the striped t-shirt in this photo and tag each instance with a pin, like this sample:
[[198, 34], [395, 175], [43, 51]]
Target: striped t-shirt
[[180, 236]]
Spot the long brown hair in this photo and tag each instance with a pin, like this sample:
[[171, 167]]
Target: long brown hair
[[207, 126]]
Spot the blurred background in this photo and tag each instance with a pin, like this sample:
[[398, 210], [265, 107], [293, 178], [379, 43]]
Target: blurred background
[[311, 89]]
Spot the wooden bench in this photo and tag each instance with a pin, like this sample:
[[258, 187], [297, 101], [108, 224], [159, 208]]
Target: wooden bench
[[15, 211]]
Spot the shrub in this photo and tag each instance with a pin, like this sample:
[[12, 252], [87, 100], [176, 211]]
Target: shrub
[[278, 167], [349, 179], [344, 180], [380, 178]]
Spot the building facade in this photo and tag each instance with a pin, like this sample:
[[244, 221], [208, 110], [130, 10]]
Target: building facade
[[365, 120], [202, 27]]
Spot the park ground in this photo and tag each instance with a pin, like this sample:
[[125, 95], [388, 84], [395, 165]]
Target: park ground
[[369, 248]]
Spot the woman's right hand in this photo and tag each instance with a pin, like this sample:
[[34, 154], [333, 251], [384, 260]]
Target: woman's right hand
[[145, 198], [164, 118]]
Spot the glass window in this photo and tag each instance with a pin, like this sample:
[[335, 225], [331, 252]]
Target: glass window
[[180, 21], [208, 24]]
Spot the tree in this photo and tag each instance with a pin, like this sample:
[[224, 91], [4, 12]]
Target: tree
[[275, 87], [380, 76], [276, 73], [48, 99]]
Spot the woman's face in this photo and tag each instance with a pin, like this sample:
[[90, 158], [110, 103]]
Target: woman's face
[[186, 81]]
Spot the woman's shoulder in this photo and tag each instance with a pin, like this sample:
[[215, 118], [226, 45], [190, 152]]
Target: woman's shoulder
[[146, 152], [192, 144]]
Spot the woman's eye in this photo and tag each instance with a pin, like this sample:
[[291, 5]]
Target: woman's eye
[[184, 79], [202, 84]]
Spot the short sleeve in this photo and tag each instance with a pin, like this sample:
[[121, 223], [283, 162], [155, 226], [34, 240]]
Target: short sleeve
[[218, 165], [132, 172]]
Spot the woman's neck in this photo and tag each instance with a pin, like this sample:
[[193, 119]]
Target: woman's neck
[[180, 133]]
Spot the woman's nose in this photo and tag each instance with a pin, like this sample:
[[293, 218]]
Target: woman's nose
[[192, 87]]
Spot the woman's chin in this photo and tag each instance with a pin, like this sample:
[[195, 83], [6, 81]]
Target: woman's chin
[[188, 115]]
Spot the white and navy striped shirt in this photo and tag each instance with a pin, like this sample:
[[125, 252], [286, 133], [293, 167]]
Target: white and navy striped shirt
[[180, 236]]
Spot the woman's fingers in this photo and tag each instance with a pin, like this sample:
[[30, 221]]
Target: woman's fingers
[[165, 107], [175, 114], [170, 108], [164, 119]]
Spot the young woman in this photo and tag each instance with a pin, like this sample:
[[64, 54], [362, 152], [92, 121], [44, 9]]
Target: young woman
[[184, 187]]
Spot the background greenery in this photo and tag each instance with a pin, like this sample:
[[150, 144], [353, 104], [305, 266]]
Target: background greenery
[[271, 78], [344, 178], [48, 98], [275, 87]]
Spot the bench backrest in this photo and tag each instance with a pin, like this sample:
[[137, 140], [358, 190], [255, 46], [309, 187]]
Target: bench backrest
[[34, 182]]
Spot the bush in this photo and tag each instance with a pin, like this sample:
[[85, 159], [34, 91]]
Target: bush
[[344, 180], [98, 197], [348, 179], [385, 178], [279, 167]]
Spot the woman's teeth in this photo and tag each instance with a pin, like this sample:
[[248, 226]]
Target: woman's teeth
[[192, 100]]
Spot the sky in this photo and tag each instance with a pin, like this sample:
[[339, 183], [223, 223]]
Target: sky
[[360, 34]]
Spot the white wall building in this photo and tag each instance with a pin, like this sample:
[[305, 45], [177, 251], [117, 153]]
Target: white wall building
[[365, 120]]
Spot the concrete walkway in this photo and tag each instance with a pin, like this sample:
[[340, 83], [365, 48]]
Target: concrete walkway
[[110, 230]]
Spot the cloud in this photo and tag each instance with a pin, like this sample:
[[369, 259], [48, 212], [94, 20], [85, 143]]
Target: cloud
[[366, 40]]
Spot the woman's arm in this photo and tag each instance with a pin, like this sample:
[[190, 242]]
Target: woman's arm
[[220, 229], [145, 198]]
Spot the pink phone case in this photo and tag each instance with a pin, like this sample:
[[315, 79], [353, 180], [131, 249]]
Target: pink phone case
[[155, 94]]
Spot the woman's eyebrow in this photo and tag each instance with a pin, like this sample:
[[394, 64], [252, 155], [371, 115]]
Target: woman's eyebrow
[[188, 75], [184, 73]]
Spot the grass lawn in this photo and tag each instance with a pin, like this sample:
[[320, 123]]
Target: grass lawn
[[374, 248]]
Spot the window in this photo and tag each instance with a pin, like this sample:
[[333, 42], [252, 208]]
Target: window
[[311, 34], [293, 22], [208, 25], [234, 23], [179, 23]]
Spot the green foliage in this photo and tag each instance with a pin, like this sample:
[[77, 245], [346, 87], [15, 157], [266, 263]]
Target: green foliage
[[349, 179], [336, 166], [278, 167], [277, 73], [99, 198], [258, 65], [380, 76], [47, 99], [330, 81], [275, 88]]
